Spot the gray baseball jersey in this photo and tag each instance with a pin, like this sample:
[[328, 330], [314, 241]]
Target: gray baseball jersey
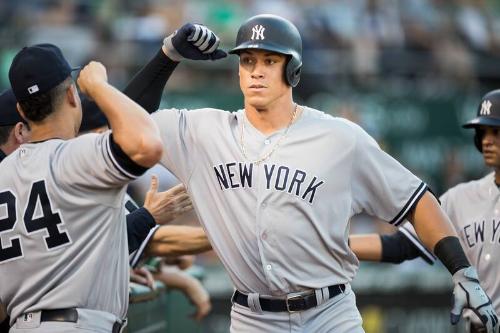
[[282, 225], [474, 210], [62, 227]]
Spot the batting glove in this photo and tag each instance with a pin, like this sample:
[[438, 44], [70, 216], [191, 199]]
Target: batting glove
[[467, 293], [195, 42]]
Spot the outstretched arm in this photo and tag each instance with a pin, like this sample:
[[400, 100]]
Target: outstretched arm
[[393, 248], [176, 240], [435, 230]]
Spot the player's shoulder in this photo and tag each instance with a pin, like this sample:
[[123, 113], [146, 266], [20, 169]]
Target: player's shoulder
[[327, 121], [193, 113], [471, 190]]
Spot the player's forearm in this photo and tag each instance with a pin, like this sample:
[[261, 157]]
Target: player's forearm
[[175, 240], [147, 85], [174, 278], [366, 247], [436, 232], [430, 222], [133, 130]]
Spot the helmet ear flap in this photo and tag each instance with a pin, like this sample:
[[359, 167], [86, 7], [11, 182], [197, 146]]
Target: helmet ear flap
[[478, 138], [292, 72]]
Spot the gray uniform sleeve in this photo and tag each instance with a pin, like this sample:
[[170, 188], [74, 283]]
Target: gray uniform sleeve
[[381, 186], [90, 162], [178, 141]]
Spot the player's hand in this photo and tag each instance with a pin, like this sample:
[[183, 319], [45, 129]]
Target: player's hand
[[193, 41], [91, 76], [199, 297], [143, 276], [167, 206], [467, 293]]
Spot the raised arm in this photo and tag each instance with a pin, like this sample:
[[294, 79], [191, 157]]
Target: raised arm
[[134, 131]]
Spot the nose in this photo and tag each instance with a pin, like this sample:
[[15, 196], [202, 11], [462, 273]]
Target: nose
[[488, 138], [258, 72]]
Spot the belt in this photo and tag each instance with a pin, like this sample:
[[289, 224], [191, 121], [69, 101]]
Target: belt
[[69, 315], [66, 315], [292, 302]]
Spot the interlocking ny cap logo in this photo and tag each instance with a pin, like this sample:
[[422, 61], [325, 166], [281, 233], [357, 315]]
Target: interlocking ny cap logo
[[485, 108], [258, 32]]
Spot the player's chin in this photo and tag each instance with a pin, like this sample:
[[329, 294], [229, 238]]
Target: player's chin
[[258, 102], [491, 160]]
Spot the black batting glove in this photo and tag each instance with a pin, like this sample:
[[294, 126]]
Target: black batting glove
[[194, 42]]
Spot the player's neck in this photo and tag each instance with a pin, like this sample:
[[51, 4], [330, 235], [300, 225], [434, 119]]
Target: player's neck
[[56, 125], [273, 117]]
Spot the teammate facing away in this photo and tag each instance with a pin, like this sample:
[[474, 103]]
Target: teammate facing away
[[275, 185], [63, 233]]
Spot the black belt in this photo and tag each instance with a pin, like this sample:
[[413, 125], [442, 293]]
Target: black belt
[[292, 303], [69, 315]]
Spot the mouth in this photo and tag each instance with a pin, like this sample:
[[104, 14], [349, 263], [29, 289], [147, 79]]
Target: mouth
[[257, 86], [488, 152]]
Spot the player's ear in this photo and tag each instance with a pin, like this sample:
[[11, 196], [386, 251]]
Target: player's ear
[[72, 95], [20, 130]]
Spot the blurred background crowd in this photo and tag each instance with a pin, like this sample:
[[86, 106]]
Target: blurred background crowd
[[408, 71]]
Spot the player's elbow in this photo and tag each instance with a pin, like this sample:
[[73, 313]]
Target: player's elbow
[[149, 152]]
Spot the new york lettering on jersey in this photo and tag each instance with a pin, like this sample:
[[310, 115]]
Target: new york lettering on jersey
[[278, 177]]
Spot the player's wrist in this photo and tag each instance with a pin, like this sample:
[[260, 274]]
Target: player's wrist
[[169, 49], [98, 89], [450, 252]]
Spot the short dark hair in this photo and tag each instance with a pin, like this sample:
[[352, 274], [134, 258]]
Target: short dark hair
[[37, 107], [5, 133]]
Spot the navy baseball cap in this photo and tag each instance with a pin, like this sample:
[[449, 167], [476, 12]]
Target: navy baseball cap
[[37, 69], [8, 110]]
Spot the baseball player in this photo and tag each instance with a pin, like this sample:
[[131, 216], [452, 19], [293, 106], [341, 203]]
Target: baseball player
[[276, 183], [63, 198], [472, 208]]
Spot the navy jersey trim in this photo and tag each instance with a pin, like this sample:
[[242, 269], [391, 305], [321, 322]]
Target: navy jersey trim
[[136, 256], [419, 192], [2, 155], [122, 161]]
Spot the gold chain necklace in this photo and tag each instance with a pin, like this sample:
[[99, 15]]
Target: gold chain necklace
[[277, 144]]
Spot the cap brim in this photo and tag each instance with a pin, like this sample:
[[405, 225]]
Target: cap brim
[[482, 121], [260, 46]]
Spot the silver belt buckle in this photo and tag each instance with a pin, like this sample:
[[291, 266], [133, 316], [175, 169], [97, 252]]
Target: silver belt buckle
[[292, 297]]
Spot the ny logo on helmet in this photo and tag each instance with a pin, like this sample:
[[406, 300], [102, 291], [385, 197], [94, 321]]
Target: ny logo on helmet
[[258, 32], [485, 108]]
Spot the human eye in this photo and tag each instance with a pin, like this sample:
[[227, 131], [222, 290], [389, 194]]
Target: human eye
[[246, 60], [271, 61]]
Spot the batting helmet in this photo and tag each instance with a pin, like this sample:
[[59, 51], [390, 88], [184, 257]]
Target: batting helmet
[[276, 34], [488, 114]]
